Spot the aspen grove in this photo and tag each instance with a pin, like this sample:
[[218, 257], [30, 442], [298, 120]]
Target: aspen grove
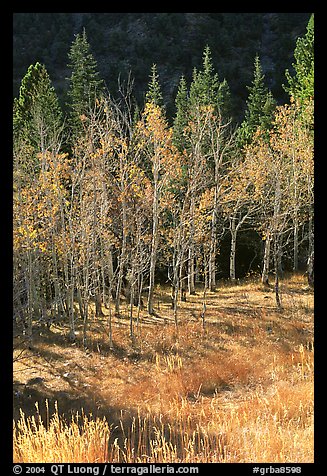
[[115, 200]]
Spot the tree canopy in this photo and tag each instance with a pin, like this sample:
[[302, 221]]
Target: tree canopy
[[137, 199]]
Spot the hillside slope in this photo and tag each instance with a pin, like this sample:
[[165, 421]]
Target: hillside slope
[[124, 42], [239, 389]]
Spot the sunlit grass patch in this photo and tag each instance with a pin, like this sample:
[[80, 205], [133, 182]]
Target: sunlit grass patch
[[238, 389]]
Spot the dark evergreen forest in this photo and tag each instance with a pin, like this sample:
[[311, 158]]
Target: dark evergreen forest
[[124, 43]]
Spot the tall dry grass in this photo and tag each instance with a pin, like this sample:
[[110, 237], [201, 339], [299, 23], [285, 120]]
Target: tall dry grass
[[268, 423], [83, 439]]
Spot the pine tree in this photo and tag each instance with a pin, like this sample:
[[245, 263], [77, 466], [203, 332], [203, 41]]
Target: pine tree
[[206, 89], [182, 115], [301, 85], [260, 106], [154, 94], [85, 84], [37, 117]]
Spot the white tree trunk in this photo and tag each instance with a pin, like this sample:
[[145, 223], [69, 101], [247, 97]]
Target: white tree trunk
[[213, 245], [295, 245], [310, 264], [266, 261], [233, 230], [191, 270], [154, 243]]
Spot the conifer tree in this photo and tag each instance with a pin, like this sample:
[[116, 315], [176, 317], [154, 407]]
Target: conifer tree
[[301, 84], [206, 89], [182, 115], [154, 94], [208, 109], [85, 83], [37, 115], [301, 90], [260, 106], [37, 124]]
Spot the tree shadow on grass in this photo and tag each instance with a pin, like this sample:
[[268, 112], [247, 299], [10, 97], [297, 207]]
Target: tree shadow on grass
[[129, 428]]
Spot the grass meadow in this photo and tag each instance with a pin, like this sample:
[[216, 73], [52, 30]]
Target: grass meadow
[[237, 387]]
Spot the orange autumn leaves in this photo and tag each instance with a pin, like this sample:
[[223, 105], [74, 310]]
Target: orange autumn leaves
[[46, 209]]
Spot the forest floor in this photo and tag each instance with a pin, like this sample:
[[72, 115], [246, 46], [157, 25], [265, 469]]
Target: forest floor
[[238, 389]]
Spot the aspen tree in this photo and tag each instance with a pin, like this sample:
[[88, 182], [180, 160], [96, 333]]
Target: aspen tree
[[293, 141], [155, 141], [221, 144], [238, 204], [40, 236], [37, 125], [281, 170], [268, 178], [301, 90], [197, 178], [209, 106]]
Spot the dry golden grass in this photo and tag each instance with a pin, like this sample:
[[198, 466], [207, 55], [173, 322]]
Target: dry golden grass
[[240, 390], [83, 439]]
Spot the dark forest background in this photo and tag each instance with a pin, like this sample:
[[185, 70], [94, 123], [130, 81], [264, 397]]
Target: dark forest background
[[129, 43]]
